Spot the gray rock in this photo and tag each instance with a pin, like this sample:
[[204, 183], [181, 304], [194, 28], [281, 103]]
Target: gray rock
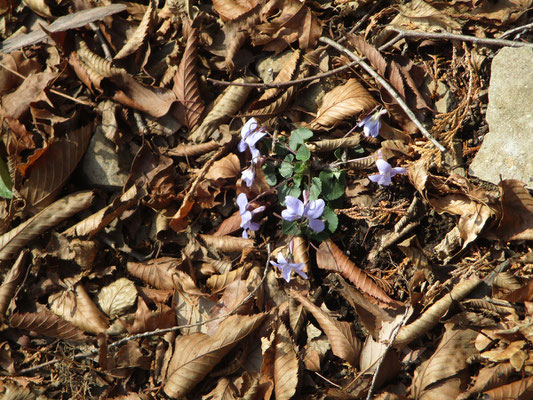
[[101, 164], [507, 149]]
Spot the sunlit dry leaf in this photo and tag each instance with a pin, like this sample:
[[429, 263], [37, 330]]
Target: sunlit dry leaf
[[315, 351], [76, 307], [191, 310], [186, 88], [232, 9], [217, 283], [47, 175], [341, 103], [501, 12], [39, 6], [227, 105], [136, 40], [433, 314], [344, 343], [11, 281], [97, 221], [520, 390], [146, 320], [47, 323], [228, 167], [228, 244], [224, 390], [116, 298], [55, 213], [237, 31], [489, 378], [328, 145], [232, 300], [193, 150], [196, 355], [285, 365], [157, 272], [330, 257]]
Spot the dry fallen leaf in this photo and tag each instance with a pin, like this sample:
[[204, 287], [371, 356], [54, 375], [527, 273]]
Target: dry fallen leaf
[[116, 298]]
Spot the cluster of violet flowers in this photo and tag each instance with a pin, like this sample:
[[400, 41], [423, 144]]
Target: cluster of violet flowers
[[251, 133]]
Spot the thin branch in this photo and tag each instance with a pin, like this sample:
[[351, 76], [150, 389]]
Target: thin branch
[[387, 87], [158, 331], [452, 36], [516, 30], [276, 85], [387, 349]]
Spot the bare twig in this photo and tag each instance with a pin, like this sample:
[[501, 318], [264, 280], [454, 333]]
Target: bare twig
[[158, 331], [387, 349], [516, 30], [387, 87], [452, 36], [276, 85]]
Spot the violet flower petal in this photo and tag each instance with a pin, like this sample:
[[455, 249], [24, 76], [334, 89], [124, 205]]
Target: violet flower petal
[[317, 225], [248, 175], [314, 209], [383, 166], [295, 209], [242, 202]]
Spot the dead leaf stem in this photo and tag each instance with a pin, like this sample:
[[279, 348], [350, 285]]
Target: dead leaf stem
[[387, 87]]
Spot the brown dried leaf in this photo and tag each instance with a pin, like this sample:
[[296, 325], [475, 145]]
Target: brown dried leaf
[[520, 390], [40, 7], [344, 343], [341, 103], [517, 208], [76, 307], [433, 314], [224, 390], [117, 297], [228, 244], [236, 32], [446, 364], [191, 310], [196, 355], [489, 378], [99, 220], [146, 320], [285, 365], [11, 281], [50, 171], [227, 105], [12, 241], [232, 9], [18, 102], [186, 88], [228, 167], [330, 257], [420, 15], [47, 323], [217, 283], [193, 150], [136, 40], [329, 145]]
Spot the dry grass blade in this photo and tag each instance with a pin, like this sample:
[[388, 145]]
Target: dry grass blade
[[94, 223], [11, 281], [50, 171], [330, 257], [341, 103], [228, 244], [344, 343], [195, 355], [433, 314], [137, 39], [186, 87], [227, 104], [77, 307], [49, 324], [14, 240], [285, 365]]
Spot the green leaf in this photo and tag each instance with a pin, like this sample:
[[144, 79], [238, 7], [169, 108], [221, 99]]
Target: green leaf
[[315, 189], [270, 174], [6, 184], [333, 184], [286, 168], [286, 190], [303, 153], [298, 137], [332, 220], [290, 227]]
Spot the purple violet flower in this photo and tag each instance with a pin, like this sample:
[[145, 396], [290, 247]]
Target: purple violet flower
[[312, 210], [372, 124], [386, 172], [251, 133], [247, 215], [287, 268], [248, 175]]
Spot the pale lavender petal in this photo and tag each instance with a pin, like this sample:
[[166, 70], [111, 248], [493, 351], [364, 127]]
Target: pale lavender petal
[[253, 138], [242, 202], [258, 210], [248, 176], [375, 178], [255, 153], [286, 272], [253, 226], [245, 234], [398, 170], [364, 121], [383, 166], [295, 209], [384, 180], [372, 128], [246, 217], [281, 259], [317, 225], [314, 209], [242, 146], [248, 127], [299, 269]]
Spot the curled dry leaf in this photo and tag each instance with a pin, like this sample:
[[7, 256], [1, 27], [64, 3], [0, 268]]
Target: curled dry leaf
[[47, 175], [285, 365], [227, 104], [445, 365], [228, 167], [329, 145], [196, 355], [343, 102], [330, 257], [217, 283], [228, 244], [99, 220], [11, 281], [193, 150], [47, 323], [116, 298], [136, 40], [14, 240], [344, 343], [146, 320], [433, 314], [77, 307], [232, 9], [520, 390]]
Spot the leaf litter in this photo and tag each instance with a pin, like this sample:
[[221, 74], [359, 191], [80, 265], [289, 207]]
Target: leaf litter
[[418, 289]]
